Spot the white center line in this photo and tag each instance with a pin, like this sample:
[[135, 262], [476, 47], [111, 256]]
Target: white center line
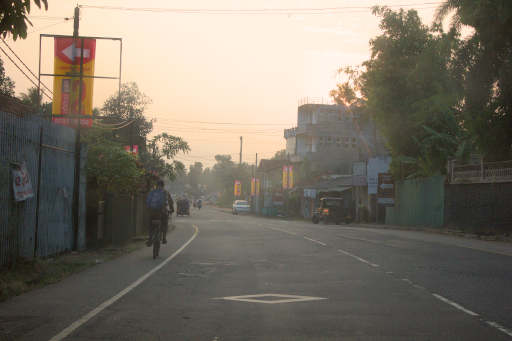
[[78, 323], [315, 241], [455, 305], [358, 258]]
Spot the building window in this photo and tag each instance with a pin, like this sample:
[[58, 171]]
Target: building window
[[329, 139]]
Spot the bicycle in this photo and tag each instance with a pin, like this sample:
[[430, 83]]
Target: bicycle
[[156, 236]]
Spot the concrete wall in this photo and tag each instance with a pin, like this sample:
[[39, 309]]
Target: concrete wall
[[480, 206]]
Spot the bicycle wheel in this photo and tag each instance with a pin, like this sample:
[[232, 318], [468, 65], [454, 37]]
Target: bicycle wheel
[[156, 247], [156, 242]]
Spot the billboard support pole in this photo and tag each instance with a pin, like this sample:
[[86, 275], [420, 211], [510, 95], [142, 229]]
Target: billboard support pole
[[76, 191], [39, 76]]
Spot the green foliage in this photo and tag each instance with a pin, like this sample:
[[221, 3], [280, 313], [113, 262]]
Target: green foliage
[[33, 99], [129, 104], [162, 148], [110, 168], [280, 155], [13, 17], [485, 61], [6, 83], [156, 155], [412, 90]]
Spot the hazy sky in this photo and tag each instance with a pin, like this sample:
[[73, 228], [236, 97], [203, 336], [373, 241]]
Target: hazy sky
[[245, 70]]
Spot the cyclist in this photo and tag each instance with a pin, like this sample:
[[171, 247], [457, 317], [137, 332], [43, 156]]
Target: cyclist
[[156, 201]]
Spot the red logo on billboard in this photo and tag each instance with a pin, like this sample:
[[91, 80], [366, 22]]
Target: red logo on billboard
[[68, 50]]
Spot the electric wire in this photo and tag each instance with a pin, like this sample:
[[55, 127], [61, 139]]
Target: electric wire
[[108, 124], [25, 65], [48, 26], [286, 11], [224, 123], [23, 72], [116, 128]]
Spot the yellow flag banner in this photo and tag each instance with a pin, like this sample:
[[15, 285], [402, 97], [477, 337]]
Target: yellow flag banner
[[285, 177], [253, 186], [238, 188], [290, 177]]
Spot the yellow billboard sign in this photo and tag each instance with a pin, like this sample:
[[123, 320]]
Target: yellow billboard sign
[[66, 88]]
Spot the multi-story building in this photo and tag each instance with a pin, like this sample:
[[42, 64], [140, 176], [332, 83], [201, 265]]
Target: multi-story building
[[330, 137]]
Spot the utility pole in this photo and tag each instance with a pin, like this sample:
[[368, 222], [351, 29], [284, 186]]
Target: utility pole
[[256, 161], [241, 139]]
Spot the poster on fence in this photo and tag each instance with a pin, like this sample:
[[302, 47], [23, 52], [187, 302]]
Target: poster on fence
[[22, 185]]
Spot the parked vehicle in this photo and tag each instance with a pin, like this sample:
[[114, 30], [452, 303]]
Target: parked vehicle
[[332, 210], [241, 206], [183, 207]]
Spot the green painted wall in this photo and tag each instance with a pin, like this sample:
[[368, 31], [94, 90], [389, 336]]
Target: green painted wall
[[418, 202]]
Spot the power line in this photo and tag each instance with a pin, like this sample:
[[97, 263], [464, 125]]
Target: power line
[[46, 17], [25, 65], [225, 123], [115, 128], [48, 26], [23, 72], [286, 11]]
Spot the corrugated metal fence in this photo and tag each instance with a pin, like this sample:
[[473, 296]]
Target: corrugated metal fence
[[25, 230], [418, 202]]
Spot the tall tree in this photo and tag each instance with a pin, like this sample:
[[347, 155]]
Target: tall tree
[[159, 155], [6, 83], [33, 99], [14, 16], [485, 60], [411, 89], [129, 105]]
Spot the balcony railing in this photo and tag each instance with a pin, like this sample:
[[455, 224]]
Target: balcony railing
[[484, 172], [292, 132], [316, 100]]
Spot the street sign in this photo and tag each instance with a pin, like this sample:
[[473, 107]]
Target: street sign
[[386, 189], [66, 89]]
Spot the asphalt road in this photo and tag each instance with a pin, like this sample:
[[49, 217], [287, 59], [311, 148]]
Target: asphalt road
[[304, 282]]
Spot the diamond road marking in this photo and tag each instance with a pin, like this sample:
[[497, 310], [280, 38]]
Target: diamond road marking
[[276, 298]]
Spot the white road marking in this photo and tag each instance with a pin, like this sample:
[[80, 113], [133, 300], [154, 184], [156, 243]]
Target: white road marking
[[418, 287], [407, 280], [358, 258], [284, 298], [315, 241], [281, 230], [455, 305], [78, 323], [499, 327]]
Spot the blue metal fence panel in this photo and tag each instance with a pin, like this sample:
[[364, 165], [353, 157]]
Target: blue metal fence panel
[[20, 141], [55, 230]]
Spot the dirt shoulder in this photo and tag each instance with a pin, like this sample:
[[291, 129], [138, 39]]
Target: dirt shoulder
[[28, 275]]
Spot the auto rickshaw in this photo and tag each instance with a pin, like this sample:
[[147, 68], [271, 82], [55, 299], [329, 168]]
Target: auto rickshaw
[[332, 210], [183, 207]]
